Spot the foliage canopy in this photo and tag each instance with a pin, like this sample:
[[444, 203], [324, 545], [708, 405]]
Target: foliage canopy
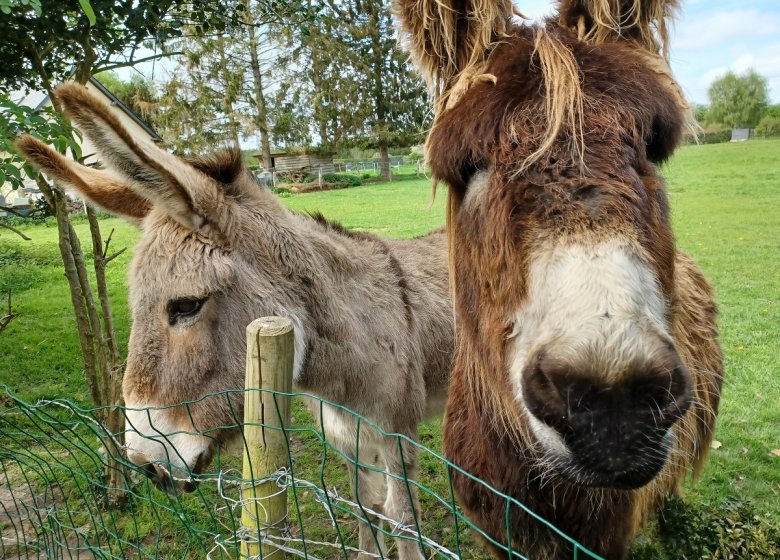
[[738, 101]]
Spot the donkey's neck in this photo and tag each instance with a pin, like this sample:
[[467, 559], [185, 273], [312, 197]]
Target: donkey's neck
[[326, 279]]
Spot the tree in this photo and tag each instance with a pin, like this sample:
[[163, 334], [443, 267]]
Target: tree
[[395, 101], [738, 101], [197, 107], [138, 94], [77, 38], [358, 87], [219, 91], [702, 113], [773, 111]]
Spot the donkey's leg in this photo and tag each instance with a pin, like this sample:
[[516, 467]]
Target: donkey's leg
[[402, 503], [368, 487]]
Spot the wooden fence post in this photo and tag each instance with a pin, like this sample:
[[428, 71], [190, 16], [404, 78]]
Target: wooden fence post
[[269, 365]]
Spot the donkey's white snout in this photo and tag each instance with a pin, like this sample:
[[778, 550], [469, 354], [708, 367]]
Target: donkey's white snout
[[168, 453]]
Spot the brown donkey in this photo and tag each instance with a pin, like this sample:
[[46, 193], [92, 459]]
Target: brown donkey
[[372, 317], [587, 370]]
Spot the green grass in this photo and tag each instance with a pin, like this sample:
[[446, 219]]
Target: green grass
[[726, 205], [402, 208], [726, 212], [39, 352]]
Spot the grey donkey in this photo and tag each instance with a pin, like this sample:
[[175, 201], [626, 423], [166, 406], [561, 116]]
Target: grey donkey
[[372, 316]]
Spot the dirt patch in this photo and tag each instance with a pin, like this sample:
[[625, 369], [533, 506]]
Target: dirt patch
[[24, 513]]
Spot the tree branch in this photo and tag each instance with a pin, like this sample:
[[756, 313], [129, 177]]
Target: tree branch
[[107, 242], [115, 255], [8, 317], [107, 259], [132, 62], [17, 213], [16, 231]]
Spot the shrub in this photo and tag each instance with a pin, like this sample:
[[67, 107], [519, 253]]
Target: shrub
[[715, 136], [346, 179], [768, 126], [281, 193], [731, 529], [338, 179]]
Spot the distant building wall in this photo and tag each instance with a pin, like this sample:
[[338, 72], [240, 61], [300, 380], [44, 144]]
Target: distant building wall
[[302, 163]]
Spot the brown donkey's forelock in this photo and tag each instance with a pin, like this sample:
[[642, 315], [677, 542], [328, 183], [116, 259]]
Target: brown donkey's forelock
[[548, 137]]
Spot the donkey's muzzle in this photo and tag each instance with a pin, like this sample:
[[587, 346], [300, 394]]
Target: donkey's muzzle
[[163, 480], [616, 434], [169, 483]]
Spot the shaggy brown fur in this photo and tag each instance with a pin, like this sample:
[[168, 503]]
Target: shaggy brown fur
[[372, 317], [645, 22], [563, 138], [449, 39]]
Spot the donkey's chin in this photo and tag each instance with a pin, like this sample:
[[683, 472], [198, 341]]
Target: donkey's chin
[[618, 469], [629, 479]]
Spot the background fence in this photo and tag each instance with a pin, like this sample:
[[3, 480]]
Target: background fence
[[54, 502]]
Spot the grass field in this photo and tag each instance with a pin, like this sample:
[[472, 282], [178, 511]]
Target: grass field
[[726, 204]]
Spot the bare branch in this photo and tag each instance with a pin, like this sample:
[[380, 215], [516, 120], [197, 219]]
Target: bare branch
[[8, 317], [107, 242], [133, 62], [16, 231], [115, 255]]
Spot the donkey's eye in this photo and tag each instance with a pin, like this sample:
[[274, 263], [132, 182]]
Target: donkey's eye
[[183, 308]]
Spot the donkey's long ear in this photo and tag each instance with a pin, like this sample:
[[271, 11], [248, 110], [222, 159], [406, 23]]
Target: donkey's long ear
[[641, 24], [450, 37], [644, 22], [185, 193], [99, 187]]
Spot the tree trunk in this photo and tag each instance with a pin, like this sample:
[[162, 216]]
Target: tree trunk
[[261, 118], [97, 338], [380, 102], [227, 105], [384, 162]]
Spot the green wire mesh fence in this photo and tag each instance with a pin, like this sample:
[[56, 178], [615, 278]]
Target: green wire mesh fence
[[55, 501]]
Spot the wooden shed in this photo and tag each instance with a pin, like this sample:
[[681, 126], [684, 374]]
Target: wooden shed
[[306, 163]]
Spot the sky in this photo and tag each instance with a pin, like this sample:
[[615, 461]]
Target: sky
[[712, 37]]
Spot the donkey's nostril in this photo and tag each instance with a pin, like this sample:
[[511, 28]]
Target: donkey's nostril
[[159, 476], [149, 470], [678, 398], [546, 393]]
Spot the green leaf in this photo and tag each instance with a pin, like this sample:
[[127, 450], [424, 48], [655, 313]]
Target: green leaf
[[88, 11]]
